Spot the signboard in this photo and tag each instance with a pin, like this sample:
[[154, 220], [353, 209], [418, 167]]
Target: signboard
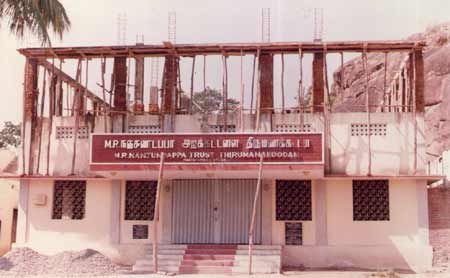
[[212, 148]]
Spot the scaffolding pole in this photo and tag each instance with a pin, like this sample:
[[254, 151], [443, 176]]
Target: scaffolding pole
[[156, 215], [369, 131], [301, 99], [252, 223], [241, 111]]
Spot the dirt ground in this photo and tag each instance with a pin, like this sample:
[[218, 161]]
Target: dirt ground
[[291, 274]]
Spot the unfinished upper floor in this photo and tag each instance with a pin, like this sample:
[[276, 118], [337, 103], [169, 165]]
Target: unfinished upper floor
[[107, 94]]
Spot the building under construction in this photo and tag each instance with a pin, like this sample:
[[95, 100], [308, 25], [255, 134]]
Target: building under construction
[[150, 183]]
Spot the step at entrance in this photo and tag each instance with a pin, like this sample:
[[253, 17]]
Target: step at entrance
[[211, 259]]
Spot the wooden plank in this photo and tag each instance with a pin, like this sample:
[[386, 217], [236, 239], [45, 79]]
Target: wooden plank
[[69, 80], [217, 49]]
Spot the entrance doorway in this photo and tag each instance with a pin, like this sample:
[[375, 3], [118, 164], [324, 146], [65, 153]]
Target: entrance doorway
[[214, 211]]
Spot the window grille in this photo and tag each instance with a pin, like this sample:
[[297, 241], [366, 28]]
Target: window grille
[[221, 128], [293, 233], [140, 129], [140, 200], [370, 200], [293, 200], [66, 132], [292, 128], [140, 231], [375, 129], [69, 199]]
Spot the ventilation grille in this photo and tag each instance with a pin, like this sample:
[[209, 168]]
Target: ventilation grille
[[292, 128], [69, 199], [370, 200], [140, 199], [293, 233], [293, 200], [144, 129], [66, 132], [221, 128], [362, 130], [140, 231]]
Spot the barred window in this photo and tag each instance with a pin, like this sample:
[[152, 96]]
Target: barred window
[[370, 200], [140, 200], [293, 200], [69, 199]]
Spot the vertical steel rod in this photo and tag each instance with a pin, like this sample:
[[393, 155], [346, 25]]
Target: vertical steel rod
[[252, 223], [282, 84], [156, 215], [241, 112], [192, 85], [366, 72]]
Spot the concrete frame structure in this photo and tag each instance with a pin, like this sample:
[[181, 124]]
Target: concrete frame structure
[[391, 146]]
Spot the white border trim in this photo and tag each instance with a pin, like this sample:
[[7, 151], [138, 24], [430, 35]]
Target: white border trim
[[91, 135]]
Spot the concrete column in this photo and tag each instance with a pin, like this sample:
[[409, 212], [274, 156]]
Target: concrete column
[[115, 211], [321, 212], [30, 112], [59, 98], [422, 212], [318, 86], [120, 94], [139, 86], [266, 94], [170, 93], [22, 221], [267, 211], [120, 83], [420, 80]]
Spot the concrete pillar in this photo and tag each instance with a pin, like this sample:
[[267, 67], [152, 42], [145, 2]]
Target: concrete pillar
[[120, 84], [31, 94], [120, 94], [139, 86], [318, 86], [266, 94], [59, 98], [22, 220], [170, 92], [266, 213], [115, 211], [321, 212], [153, 105], [31, 88], [420, 80]]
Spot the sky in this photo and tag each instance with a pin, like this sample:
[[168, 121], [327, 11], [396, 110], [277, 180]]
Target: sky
[[95, 23]]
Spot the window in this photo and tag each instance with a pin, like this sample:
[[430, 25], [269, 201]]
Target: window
[[69, 199], [370, 200], [293, 200], [140, 200]]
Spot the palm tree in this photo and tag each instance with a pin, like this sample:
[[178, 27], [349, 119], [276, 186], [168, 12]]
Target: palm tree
[[37, 16]]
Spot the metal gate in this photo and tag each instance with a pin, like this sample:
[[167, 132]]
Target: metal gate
[[214, 211]]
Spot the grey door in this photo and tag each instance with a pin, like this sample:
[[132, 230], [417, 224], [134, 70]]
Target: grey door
[[214, 211]]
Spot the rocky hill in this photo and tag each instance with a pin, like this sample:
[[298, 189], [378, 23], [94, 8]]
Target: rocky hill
[[437, 84]]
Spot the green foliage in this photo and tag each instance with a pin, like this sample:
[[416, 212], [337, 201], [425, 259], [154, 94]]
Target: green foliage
[[10, 135], [36, 16], [210, 100]]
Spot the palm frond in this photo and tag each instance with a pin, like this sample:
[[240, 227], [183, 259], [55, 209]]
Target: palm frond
[[36, 16]]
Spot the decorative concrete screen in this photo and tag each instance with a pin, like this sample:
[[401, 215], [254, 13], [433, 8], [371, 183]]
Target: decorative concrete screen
[[370, 200], [125, 150], [293, 200], [69, 199], [140, 200]]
